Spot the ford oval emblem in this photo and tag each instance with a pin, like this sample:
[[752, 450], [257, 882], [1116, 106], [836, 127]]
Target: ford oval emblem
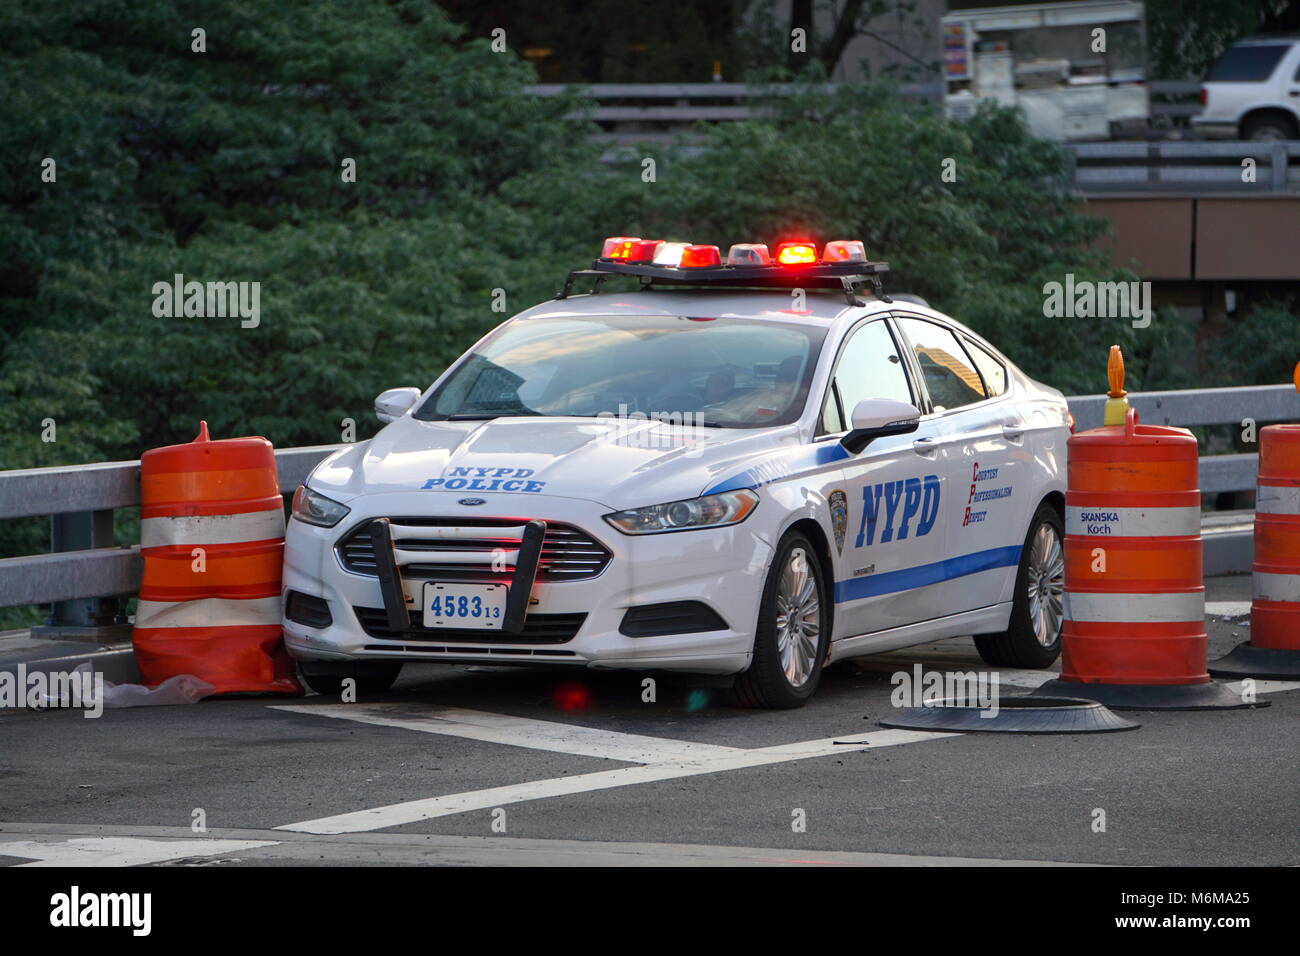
[[471, 501]]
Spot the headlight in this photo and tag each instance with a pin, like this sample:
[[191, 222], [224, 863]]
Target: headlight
[[314, 508], [711, 511]]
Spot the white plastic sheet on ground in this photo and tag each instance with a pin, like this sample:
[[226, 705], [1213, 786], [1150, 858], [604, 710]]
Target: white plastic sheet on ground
[[181, 689]]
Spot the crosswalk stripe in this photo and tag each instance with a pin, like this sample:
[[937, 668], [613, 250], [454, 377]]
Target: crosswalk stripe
[[413, 811], [518, 731]]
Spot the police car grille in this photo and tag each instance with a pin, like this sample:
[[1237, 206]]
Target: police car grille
[[538, 629], [568, 553]]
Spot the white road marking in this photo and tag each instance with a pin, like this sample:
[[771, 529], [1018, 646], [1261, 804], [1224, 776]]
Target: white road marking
[[519, 732], [1032, 680], [119, 851], [424, 849], [414, 811]]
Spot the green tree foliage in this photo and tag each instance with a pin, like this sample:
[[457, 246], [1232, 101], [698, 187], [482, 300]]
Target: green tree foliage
[[1187, 36], [225, 165]]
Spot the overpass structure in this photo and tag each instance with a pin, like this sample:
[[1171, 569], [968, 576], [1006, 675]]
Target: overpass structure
[[87, 578]]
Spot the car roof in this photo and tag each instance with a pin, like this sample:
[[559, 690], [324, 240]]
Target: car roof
[[821, 307]]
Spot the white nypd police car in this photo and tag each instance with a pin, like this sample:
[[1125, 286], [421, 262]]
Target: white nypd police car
[[753, 465]]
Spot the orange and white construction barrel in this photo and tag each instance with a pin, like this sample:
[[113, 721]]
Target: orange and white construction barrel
[[212, 538], [1134, 630], [1273, 650]]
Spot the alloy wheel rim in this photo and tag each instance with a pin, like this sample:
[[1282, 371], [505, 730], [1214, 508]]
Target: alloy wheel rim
[[1046, 584], [798, 618]]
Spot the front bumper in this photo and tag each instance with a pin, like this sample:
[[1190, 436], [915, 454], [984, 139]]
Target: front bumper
[[723, 568]]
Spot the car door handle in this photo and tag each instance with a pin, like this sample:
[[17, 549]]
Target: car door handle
[[1012, 432], [925, 446]]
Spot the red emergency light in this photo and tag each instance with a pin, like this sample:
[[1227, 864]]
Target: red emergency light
[[700, 257], [796, 254], [617, 247]]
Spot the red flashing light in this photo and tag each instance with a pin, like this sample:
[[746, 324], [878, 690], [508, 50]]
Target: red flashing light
[[844, 250], [796, 254], [643, 250], [700, 257], [617, 247]]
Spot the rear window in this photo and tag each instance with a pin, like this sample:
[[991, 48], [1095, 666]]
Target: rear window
[[1248, 64]]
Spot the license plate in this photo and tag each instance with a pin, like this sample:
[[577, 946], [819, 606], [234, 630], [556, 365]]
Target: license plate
[[476, 606]]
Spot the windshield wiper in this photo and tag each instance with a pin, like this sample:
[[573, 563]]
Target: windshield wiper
[[473, 417]]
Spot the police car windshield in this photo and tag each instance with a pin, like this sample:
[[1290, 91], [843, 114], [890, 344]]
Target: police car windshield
[[710, 372]]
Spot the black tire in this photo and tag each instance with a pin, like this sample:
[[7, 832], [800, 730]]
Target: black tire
[[765, 683], [326, 677], [1020, 645], [1269, 127]]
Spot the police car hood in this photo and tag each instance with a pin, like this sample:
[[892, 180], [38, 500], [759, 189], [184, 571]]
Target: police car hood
[[622, 464]]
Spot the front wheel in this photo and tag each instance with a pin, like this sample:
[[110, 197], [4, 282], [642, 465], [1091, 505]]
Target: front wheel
[[1033, 637], [793, 628]]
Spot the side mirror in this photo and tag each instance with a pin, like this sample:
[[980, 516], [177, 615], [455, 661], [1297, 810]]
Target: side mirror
[[394, 403], [874, 417]]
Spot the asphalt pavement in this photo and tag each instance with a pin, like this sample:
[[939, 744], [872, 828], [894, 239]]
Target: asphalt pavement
[[525, 766]]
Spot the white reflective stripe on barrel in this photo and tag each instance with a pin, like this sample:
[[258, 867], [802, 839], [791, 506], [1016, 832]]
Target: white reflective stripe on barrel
[[212, 529], [1132, 522], [1277, 500], [1135, 608], [209, 612], [1277, 587]]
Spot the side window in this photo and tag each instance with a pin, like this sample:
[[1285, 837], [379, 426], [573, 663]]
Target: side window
[[992, 371], [869, 367], [831, 423], [1248, 64], [949, 375]]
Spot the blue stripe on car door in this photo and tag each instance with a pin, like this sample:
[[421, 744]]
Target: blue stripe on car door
[[905, 579]]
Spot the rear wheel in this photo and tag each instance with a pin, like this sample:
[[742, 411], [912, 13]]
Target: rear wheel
[[1269, 127], [793, 628], [372, 677], [1033, 637]]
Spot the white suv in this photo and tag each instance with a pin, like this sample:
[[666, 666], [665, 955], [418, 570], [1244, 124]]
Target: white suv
[[1253, 92]]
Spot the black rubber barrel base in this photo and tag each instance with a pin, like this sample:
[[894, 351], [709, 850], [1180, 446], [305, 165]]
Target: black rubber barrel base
[[1207, 696], [1026, 714], [1247, 660]]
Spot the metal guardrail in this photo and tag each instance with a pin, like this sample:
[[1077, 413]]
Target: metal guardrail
[[86, 575], [85, 572], [645, 113], [691, 102], [1175, 165]]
